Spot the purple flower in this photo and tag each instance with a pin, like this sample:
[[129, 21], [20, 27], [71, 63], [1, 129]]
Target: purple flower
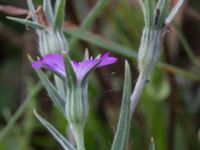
[[55, 62]]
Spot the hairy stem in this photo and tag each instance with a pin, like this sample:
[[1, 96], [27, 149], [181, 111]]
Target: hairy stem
[[79, 137], [139, 87]]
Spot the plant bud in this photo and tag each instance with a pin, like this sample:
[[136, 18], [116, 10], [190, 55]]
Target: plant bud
[[77, 107]]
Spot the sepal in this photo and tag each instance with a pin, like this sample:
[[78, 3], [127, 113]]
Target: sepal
[[71, 80], [77, 106], [48, 9], [59, 14]]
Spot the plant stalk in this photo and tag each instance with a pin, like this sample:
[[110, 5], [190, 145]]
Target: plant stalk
[[139, 87], [79, 136]]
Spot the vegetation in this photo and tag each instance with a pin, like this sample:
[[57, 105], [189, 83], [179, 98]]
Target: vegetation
[[169, 107]]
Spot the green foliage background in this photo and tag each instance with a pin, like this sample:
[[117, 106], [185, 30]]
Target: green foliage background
[[168, 110]]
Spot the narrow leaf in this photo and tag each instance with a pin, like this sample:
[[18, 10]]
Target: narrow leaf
[[162, 7], [12, 10], [101, 41], [60, 138], [143, 8], [70, 73], [48, 11], [174, 11], [59, 14], [53, 93], [148, 12], [123, 128], [32, 9], [27, 23]]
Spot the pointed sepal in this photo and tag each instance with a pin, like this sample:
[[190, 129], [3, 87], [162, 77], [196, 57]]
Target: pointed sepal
[[71, 80], [59, 14], [48, 11]]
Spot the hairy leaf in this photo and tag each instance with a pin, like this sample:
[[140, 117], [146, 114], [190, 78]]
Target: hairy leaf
[[123, 128], [60, 138], [27, 23], [59, 14], [53, 93], [48, 11]]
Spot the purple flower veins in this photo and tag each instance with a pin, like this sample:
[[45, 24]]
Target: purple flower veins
[[55, 62]]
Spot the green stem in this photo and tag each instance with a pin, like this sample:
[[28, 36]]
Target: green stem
[[139, 87], [79, 136]]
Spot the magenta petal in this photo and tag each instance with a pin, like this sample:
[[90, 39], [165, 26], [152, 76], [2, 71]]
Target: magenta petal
[[37, 64], [84, 67], [106, 60], [54, 62], [105, 55]]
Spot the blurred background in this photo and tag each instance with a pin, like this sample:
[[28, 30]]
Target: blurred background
[[169, 110]]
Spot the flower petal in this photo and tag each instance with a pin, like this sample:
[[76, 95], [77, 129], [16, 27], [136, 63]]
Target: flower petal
[[55, 62], [37, 64], [84, 67], [106, 60], [52, 62]]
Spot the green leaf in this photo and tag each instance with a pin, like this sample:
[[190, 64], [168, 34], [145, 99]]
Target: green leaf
[[101, 41], [60, 138], [174, 11], [53, 93], [123, 128], [162, 6], [143, 8], [48, 10], [32, 9], [27, 23], [59, 14], [148, 4], [70, 73]]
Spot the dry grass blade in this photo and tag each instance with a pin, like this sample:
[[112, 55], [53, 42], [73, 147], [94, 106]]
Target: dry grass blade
[[12, 10]]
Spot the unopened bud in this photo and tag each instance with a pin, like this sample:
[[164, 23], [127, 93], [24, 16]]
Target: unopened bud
[[77, 107], [52, 42], [149, 50]]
